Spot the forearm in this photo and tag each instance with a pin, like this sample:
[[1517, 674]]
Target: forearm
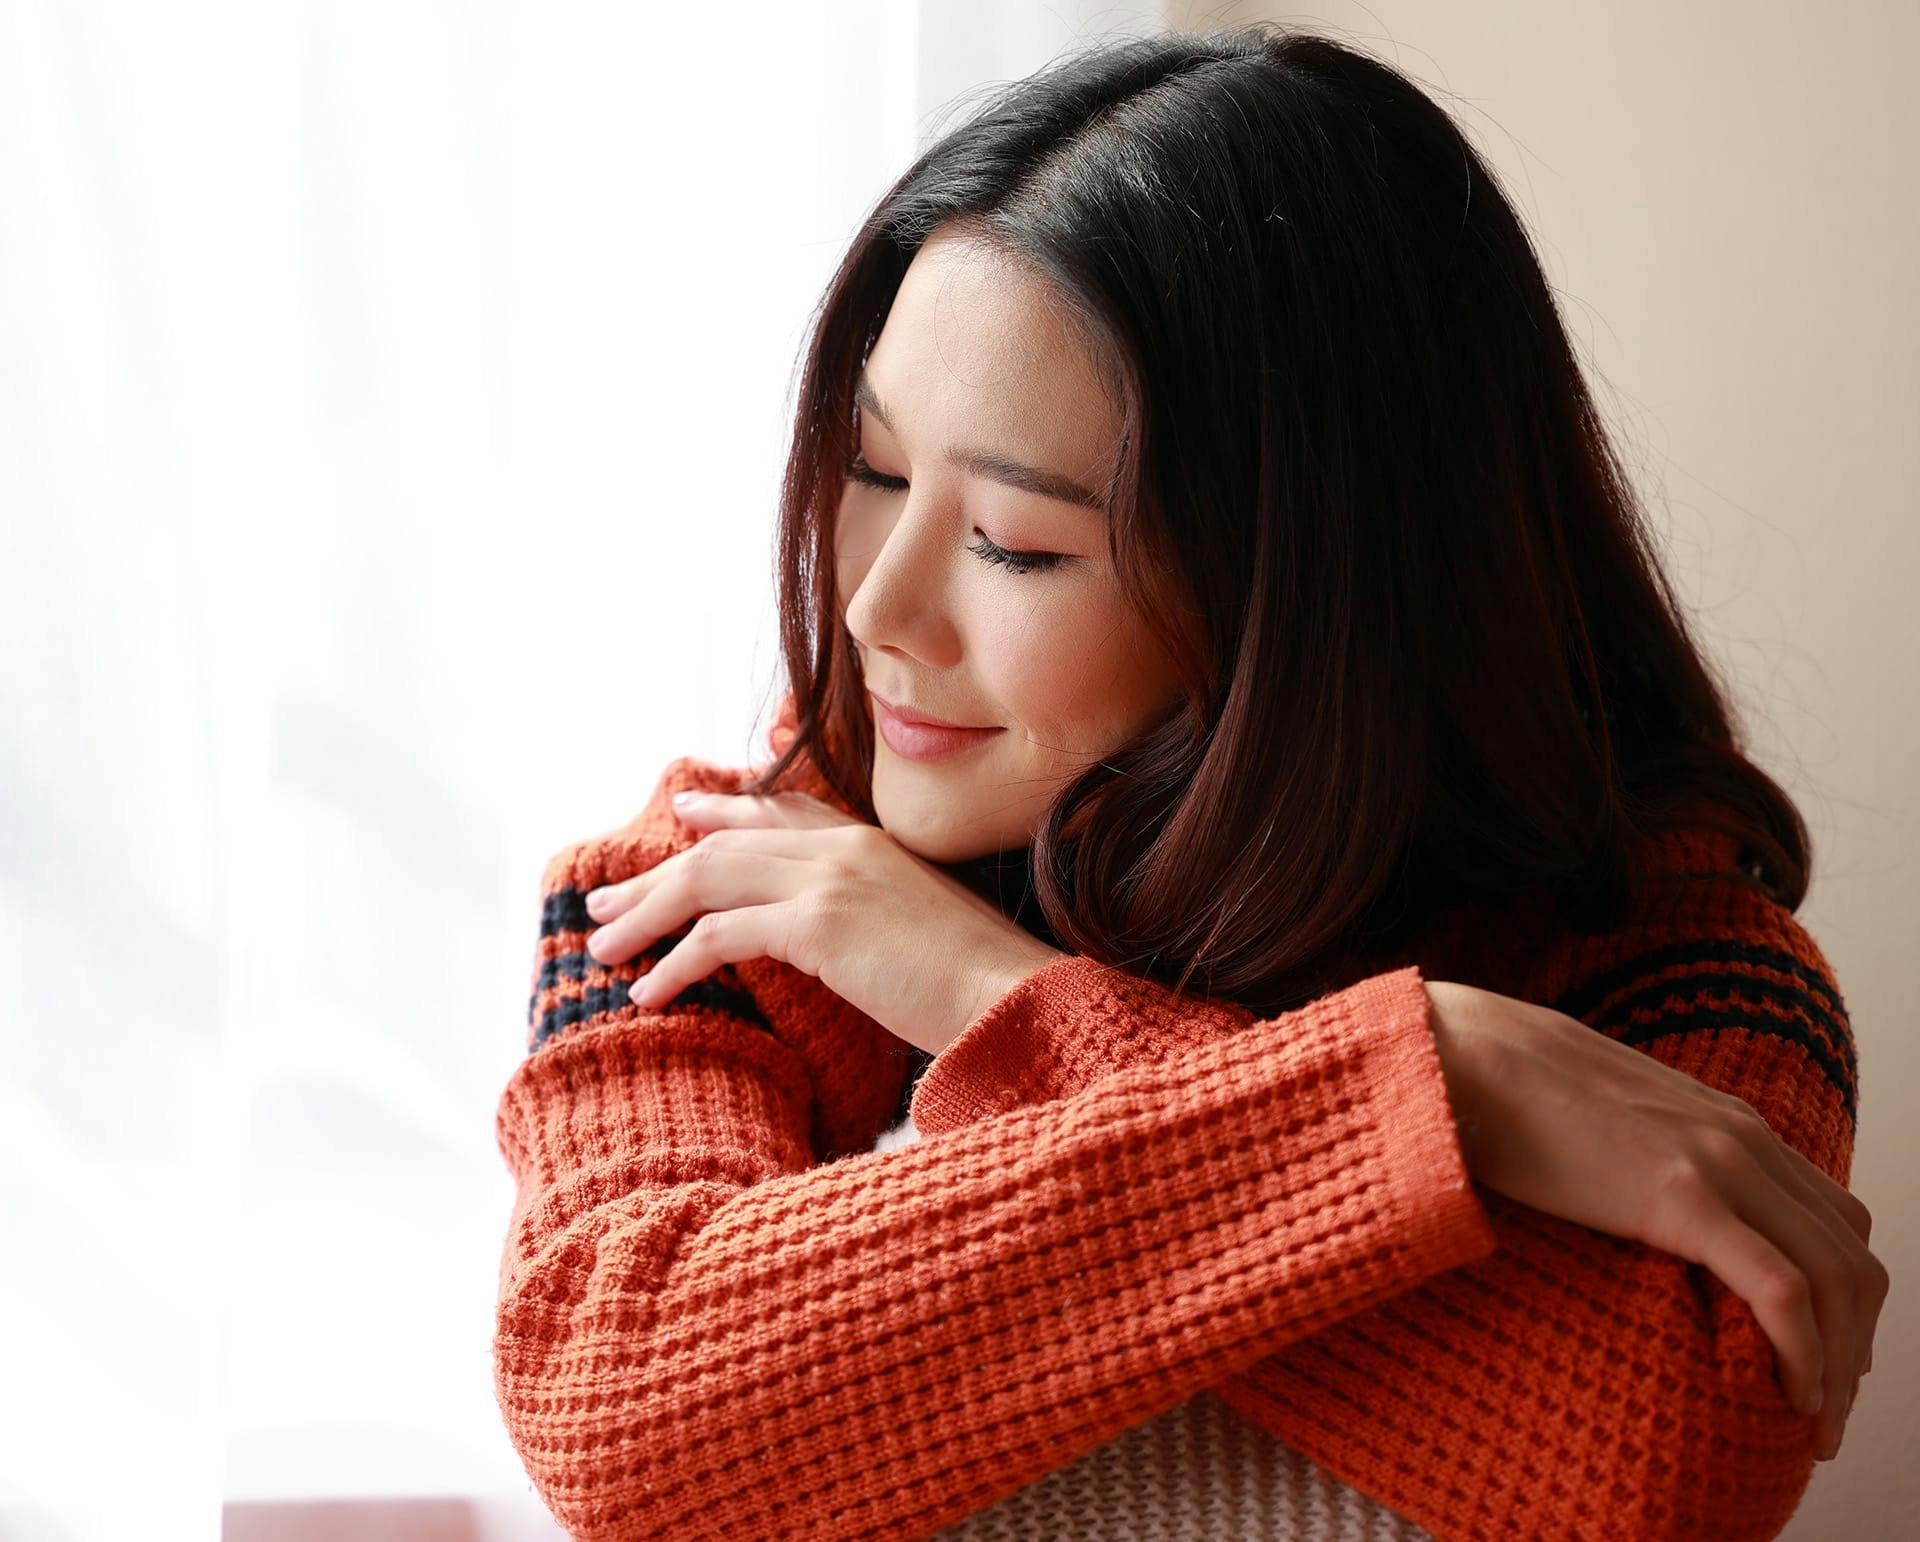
[[1568, 1361], [686, 1298]]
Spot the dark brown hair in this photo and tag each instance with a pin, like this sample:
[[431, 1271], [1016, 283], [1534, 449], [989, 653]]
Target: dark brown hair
[[1362, 495]]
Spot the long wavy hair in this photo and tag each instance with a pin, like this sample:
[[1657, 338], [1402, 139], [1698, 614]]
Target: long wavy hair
[[1362, 496]]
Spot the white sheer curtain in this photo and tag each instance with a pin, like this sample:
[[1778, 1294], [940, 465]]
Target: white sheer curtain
[[392, 399]]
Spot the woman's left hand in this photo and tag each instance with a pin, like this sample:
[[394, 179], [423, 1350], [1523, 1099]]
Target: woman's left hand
[[789, 877]]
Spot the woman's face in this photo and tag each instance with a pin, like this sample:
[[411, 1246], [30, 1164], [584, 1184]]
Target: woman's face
[[974, 366]]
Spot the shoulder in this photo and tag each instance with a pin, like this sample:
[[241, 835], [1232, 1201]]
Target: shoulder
[[655, 833], [1692, 905], [647, 839], [1699, 944], [1706, 955]]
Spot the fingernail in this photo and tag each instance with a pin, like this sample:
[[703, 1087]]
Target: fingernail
[[1812, 1404], [684, 799], [595, 900]]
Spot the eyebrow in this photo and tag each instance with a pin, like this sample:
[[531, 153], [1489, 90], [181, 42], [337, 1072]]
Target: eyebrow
[[990, 464]]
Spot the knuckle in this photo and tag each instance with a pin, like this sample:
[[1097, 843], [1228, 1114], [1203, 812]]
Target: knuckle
[[1787, 1287], [1721, 1147], [816, 908], [1863, 1216], [845, 868], [1878, 1280], [1684, 1180]]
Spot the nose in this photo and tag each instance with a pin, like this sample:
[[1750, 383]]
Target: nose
[[898, 595]]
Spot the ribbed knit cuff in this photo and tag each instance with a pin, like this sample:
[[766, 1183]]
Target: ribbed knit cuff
[[1069, 1022], [1390, 1017], [699, 1083]]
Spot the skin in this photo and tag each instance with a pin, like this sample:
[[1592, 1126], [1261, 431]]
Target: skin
[[975, 353]]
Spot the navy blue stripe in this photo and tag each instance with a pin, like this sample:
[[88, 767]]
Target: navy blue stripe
[[1809, 999], [566, 911], [1818, 996], [1704, 950]]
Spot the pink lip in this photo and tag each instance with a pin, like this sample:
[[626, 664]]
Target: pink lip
[[922, 718], [918, 739]]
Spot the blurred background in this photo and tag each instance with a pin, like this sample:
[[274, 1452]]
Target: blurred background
[[392, 402]]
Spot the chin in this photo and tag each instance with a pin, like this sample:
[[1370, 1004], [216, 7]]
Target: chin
[[930, 833], [936, 844]]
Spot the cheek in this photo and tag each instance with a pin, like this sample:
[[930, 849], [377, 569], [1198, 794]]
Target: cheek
[[1070, 671]]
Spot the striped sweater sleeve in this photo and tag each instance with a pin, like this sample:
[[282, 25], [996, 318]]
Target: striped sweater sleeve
[[703, 1331], [1570, 1383]]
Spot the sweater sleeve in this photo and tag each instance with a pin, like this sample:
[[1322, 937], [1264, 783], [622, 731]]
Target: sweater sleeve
[[702, 1330], [1570, 1383]]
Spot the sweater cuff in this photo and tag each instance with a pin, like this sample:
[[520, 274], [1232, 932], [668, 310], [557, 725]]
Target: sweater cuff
[[698, 1086], [1061, 1028], [1390, 1017]]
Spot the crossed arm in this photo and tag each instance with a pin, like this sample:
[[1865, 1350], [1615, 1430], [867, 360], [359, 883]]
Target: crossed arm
[[1120, 1199]]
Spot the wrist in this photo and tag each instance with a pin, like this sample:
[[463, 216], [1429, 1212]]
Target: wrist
[[1021, 963], [1462, 1051]]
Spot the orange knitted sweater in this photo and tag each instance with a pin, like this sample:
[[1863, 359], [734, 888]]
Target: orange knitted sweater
[[722, 1313]]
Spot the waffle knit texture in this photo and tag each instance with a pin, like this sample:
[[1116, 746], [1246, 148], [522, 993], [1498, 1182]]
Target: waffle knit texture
[[1134, 1263]]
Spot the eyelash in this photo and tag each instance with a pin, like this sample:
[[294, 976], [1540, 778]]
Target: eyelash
[[1013, 561]]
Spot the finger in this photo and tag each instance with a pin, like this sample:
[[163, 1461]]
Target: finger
[[1796, 1231], [1779, 1295], [1847, 1204], [1864, 1275], [720, 937], [724, 870], [1853, 1210], [792, 810], [611, 900]]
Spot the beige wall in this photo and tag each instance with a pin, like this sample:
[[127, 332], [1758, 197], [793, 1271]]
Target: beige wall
[[1723, 196]]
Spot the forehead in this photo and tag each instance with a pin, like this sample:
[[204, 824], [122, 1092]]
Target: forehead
[[978, 349]]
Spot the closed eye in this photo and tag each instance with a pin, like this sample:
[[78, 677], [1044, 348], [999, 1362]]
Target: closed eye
[[988, 551]]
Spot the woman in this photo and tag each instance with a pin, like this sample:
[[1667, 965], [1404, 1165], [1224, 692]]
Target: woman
[[1170, 1101]]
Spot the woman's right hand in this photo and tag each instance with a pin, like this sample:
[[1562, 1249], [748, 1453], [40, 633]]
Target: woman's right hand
[[1558, 1116]]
